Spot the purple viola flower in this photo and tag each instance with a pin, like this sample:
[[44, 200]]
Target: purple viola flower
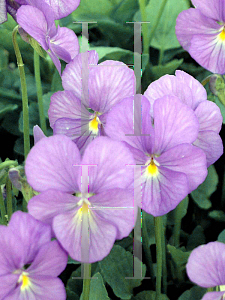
[[38, 134], [80, 111], [193, 94], [171, 166], [9, 6], [102, 210], [29, 261], [206, 268], [38, 22], [3, 11], [201, 32]]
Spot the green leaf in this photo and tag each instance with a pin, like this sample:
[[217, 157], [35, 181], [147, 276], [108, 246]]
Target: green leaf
[[196, 238], [34, 118], [116, 267], [97, 288], [46, 102], [202, 194], [217, 215], [165, 36], [195, 293], [221, 237], [71, 295], [221, 106], [71, 261], [149, 295], [171, 215], [169, 68], [56, 82], [6, 107]]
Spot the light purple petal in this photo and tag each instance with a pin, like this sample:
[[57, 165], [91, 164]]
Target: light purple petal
[[109, 83], [214, 10], [110, 160], [209, 116], [51, 260], [74, 73], [63, 8], [51, 164], [64, 104], [49, 204], [174, 124], [183, 85], [8, 284], [55, 60], [66, 39], [164, 192], [191, 22], [37, 233], [121, 121], [33, 21], [42, 287], [77, 130], [206, 265], [117, 207], [187, 159], [3, 11], [38, 134], [12, 254], [59, 51], [213, 296], [68, 228], [211, 143]]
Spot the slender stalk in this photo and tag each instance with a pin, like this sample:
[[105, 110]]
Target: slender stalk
[[8, 163], [39, 91], [205, 80], [20, 64], [147, 251], [2, 208], [86, 281], [164, 268], [9, 198], [142, 5], [157, 21], [159, 256]]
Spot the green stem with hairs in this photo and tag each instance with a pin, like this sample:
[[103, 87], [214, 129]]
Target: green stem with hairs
[[159, 256], [2, 208], [8, 163], [39, 91], [86, 281], [20, 64], [9, 198]]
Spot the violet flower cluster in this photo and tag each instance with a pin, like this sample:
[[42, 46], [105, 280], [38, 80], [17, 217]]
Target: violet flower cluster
[[201, 31]]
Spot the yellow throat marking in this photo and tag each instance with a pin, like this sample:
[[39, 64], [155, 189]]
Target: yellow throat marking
[[222, 35], [25, 281], [152, 169], [93, 125], [84, 208]]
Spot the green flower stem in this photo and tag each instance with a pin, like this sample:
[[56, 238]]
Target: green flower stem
[[142, 5], [20, 64], [146, 247], [164, 268], [9, 198], [86, 281], [39, 91], [8, 163], [177, 224], [159, 256], [2, 208], [157, 21]]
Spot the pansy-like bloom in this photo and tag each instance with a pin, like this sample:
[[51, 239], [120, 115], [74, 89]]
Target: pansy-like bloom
[[171, 166], [206, 266], [200, 31], [29, 261], [91, 90], [9, 6], [192, 93], [96, 205], [38, 21]]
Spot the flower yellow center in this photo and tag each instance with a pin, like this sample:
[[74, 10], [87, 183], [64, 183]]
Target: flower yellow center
[[152, 169], [84, 209], [25, 281], [222, 35], [93, 125]]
